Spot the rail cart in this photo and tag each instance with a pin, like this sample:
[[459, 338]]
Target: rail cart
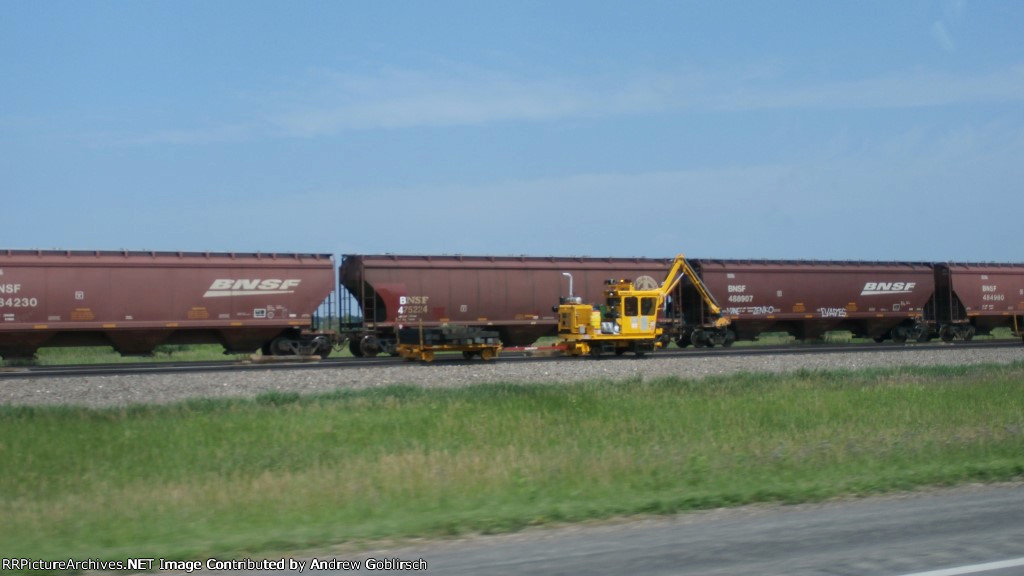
[[425, 343]]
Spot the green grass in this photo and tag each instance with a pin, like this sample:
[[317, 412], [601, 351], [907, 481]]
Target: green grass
[[107, 355], [284, 472]]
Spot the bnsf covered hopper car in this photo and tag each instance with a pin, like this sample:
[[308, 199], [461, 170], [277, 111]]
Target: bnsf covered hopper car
[[976, 298], [877, 300], [512, 295], [135, 301]]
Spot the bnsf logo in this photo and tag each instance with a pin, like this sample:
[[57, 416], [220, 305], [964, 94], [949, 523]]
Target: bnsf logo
[[250, 286], [874, 288]]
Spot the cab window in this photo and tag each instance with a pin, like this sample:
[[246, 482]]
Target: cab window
[[629, 306], [648, 306]]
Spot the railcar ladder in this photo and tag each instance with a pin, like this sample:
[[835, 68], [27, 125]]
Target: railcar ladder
[[368, 302]]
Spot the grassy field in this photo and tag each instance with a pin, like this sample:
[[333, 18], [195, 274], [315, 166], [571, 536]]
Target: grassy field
[[285, 473]]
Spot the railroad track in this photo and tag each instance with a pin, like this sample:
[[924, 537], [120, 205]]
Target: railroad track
[[165, 368]]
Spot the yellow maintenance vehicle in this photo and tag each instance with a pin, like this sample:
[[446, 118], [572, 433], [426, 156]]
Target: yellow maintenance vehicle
[[628, 321]]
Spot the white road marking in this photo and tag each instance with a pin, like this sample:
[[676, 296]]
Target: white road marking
[[972, 569]]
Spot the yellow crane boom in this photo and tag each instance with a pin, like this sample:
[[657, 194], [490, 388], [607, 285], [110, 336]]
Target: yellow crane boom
[[681, 267]]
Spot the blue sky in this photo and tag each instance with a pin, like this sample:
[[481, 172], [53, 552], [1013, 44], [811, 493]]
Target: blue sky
[[736, 129]]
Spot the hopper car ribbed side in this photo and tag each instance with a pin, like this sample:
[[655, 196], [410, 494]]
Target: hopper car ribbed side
[[135, 301], [880, 300]]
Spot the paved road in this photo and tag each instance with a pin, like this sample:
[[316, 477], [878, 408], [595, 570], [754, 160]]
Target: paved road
[[937, 533]]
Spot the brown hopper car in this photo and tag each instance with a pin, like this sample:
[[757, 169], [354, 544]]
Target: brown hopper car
[[806, 298], [977, 298], [135, 301]]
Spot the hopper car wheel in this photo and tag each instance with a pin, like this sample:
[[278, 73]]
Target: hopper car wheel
[[698, 339], [730, 337], [946, 333], [370, 346], [284, 346], [969, 334], [355, 349], [683, 341], [703, 341], [468, 355], [899, 335], [487, 355]]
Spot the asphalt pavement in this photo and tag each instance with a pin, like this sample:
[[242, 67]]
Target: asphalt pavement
[[943, 532]]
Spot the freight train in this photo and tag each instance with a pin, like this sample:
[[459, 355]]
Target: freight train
[[880, 300], [275, 303]]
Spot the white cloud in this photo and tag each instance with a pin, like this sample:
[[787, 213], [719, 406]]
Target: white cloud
[[395, 100], [331, 103], [941, 35], [915, 90], [405, 99]]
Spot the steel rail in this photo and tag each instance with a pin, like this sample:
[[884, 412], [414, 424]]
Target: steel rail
[[135, 369]]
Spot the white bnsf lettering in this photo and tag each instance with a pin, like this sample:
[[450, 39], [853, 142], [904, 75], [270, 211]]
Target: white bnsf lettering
[[876, 288], [250, 287], [10, 288], [409, 307], [988, 294]]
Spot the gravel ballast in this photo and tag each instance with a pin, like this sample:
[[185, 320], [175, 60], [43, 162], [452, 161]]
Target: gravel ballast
[[106, 391]]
